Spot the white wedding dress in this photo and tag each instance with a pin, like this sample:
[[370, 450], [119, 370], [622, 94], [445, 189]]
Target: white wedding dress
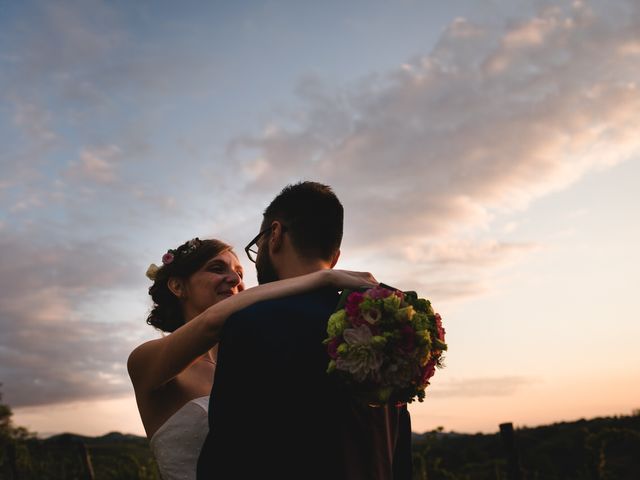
[[177, 443]]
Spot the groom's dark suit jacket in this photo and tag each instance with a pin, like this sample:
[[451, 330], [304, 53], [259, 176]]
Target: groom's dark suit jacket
[[275, 413]]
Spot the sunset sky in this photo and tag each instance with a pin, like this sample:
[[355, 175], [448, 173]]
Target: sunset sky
[[487, 155]]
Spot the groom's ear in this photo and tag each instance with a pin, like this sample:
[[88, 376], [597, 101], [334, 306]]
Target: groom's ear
[[275, 239], [335, 258]]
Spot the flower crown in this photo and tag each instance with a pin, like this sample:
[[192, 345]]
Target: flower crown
[[182, 251]]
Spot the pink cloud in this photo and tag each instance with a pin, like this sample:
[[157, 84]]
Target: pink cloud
[[97, 164], [54, 350], [446, 143]]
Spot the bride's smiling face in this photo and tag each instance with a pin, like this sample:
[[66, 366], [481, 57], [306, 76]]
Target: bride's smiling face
[[219, 278]]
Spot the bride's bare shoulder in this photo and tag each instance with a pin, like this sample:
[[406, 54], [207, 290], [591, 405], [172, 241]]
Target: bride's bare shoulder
[[140, 356]]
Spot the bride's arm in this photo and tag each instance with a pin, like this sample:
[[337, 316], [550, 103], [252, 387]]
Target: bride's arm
[[154, 363]]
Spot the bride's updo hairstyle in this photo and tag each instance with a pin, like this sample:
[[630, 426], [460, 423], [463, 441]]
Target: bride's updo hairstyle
[[184, 261]]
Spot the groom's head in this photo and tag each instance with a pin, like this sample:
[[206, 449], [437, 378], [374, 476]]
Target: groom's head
[[302, 232]]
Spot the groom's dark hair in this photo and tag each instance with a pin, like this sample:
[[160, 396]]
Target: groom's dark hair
[[312, 215]]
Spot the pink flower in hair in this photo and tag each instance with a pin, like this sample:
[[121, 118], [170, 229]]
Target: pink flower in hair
[[167, 258]]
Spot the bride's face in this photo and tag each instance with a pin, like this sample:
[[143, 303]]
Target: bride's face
[[219, 278]]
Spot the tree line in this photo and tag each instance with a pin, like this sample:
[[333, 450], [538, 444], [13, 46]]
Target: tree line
[[598, 449]]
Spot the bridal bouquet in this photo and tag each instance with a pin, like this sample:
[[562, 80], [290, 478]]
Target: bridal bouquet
[[385, 344]]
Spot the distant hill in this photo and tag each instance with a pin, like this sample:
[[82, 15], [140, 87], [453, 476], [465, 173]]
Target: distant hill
[[111, 437], [596, 449]]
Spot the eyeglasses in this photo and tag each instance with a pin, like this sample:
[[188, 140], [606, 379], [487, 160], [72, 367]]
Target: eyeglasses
[[252, 249]]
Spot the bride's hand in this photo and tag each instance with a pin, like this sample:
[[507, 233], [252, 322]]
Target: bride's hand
[[350, 279]]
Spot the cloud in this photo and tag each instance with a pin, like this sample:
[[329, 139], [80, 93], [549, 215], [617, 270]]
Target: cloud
[[91, 55], [53, 348], [62, 37], [467, 254], [486, 123], [88, 88], [451, 270], [478, 387], [53, 355], [97, 164], [427, 157], [26, 139], [34, 121], [445, 272]]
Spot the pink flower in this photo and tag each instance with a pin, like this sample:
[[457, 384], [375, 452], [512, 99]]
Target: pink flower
[[378, 293], [332, 347], [441, 330], [408, 341], [353, 304], [429, 371], [167, 258]]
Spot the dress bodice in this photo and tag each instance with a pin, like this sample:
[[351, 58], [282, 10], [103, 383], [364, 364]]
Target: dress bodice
[[177, 443]]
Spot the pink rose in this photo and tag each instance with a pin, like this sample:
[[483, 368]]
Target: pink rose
[[167, 258]]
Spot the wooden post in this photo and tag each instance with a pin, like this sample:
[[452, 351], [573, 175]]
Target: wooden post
[[508, 441], [86, 461]]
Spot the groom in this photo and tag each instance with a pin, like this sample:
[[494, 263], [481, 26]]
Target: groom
[[274, 413]]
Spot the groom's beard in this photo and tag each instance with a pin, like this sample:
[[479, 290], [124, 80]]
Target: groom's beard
[[264, 268]]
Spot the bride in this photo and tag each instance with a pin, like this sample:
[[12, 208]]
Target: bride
[[197, 287]]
